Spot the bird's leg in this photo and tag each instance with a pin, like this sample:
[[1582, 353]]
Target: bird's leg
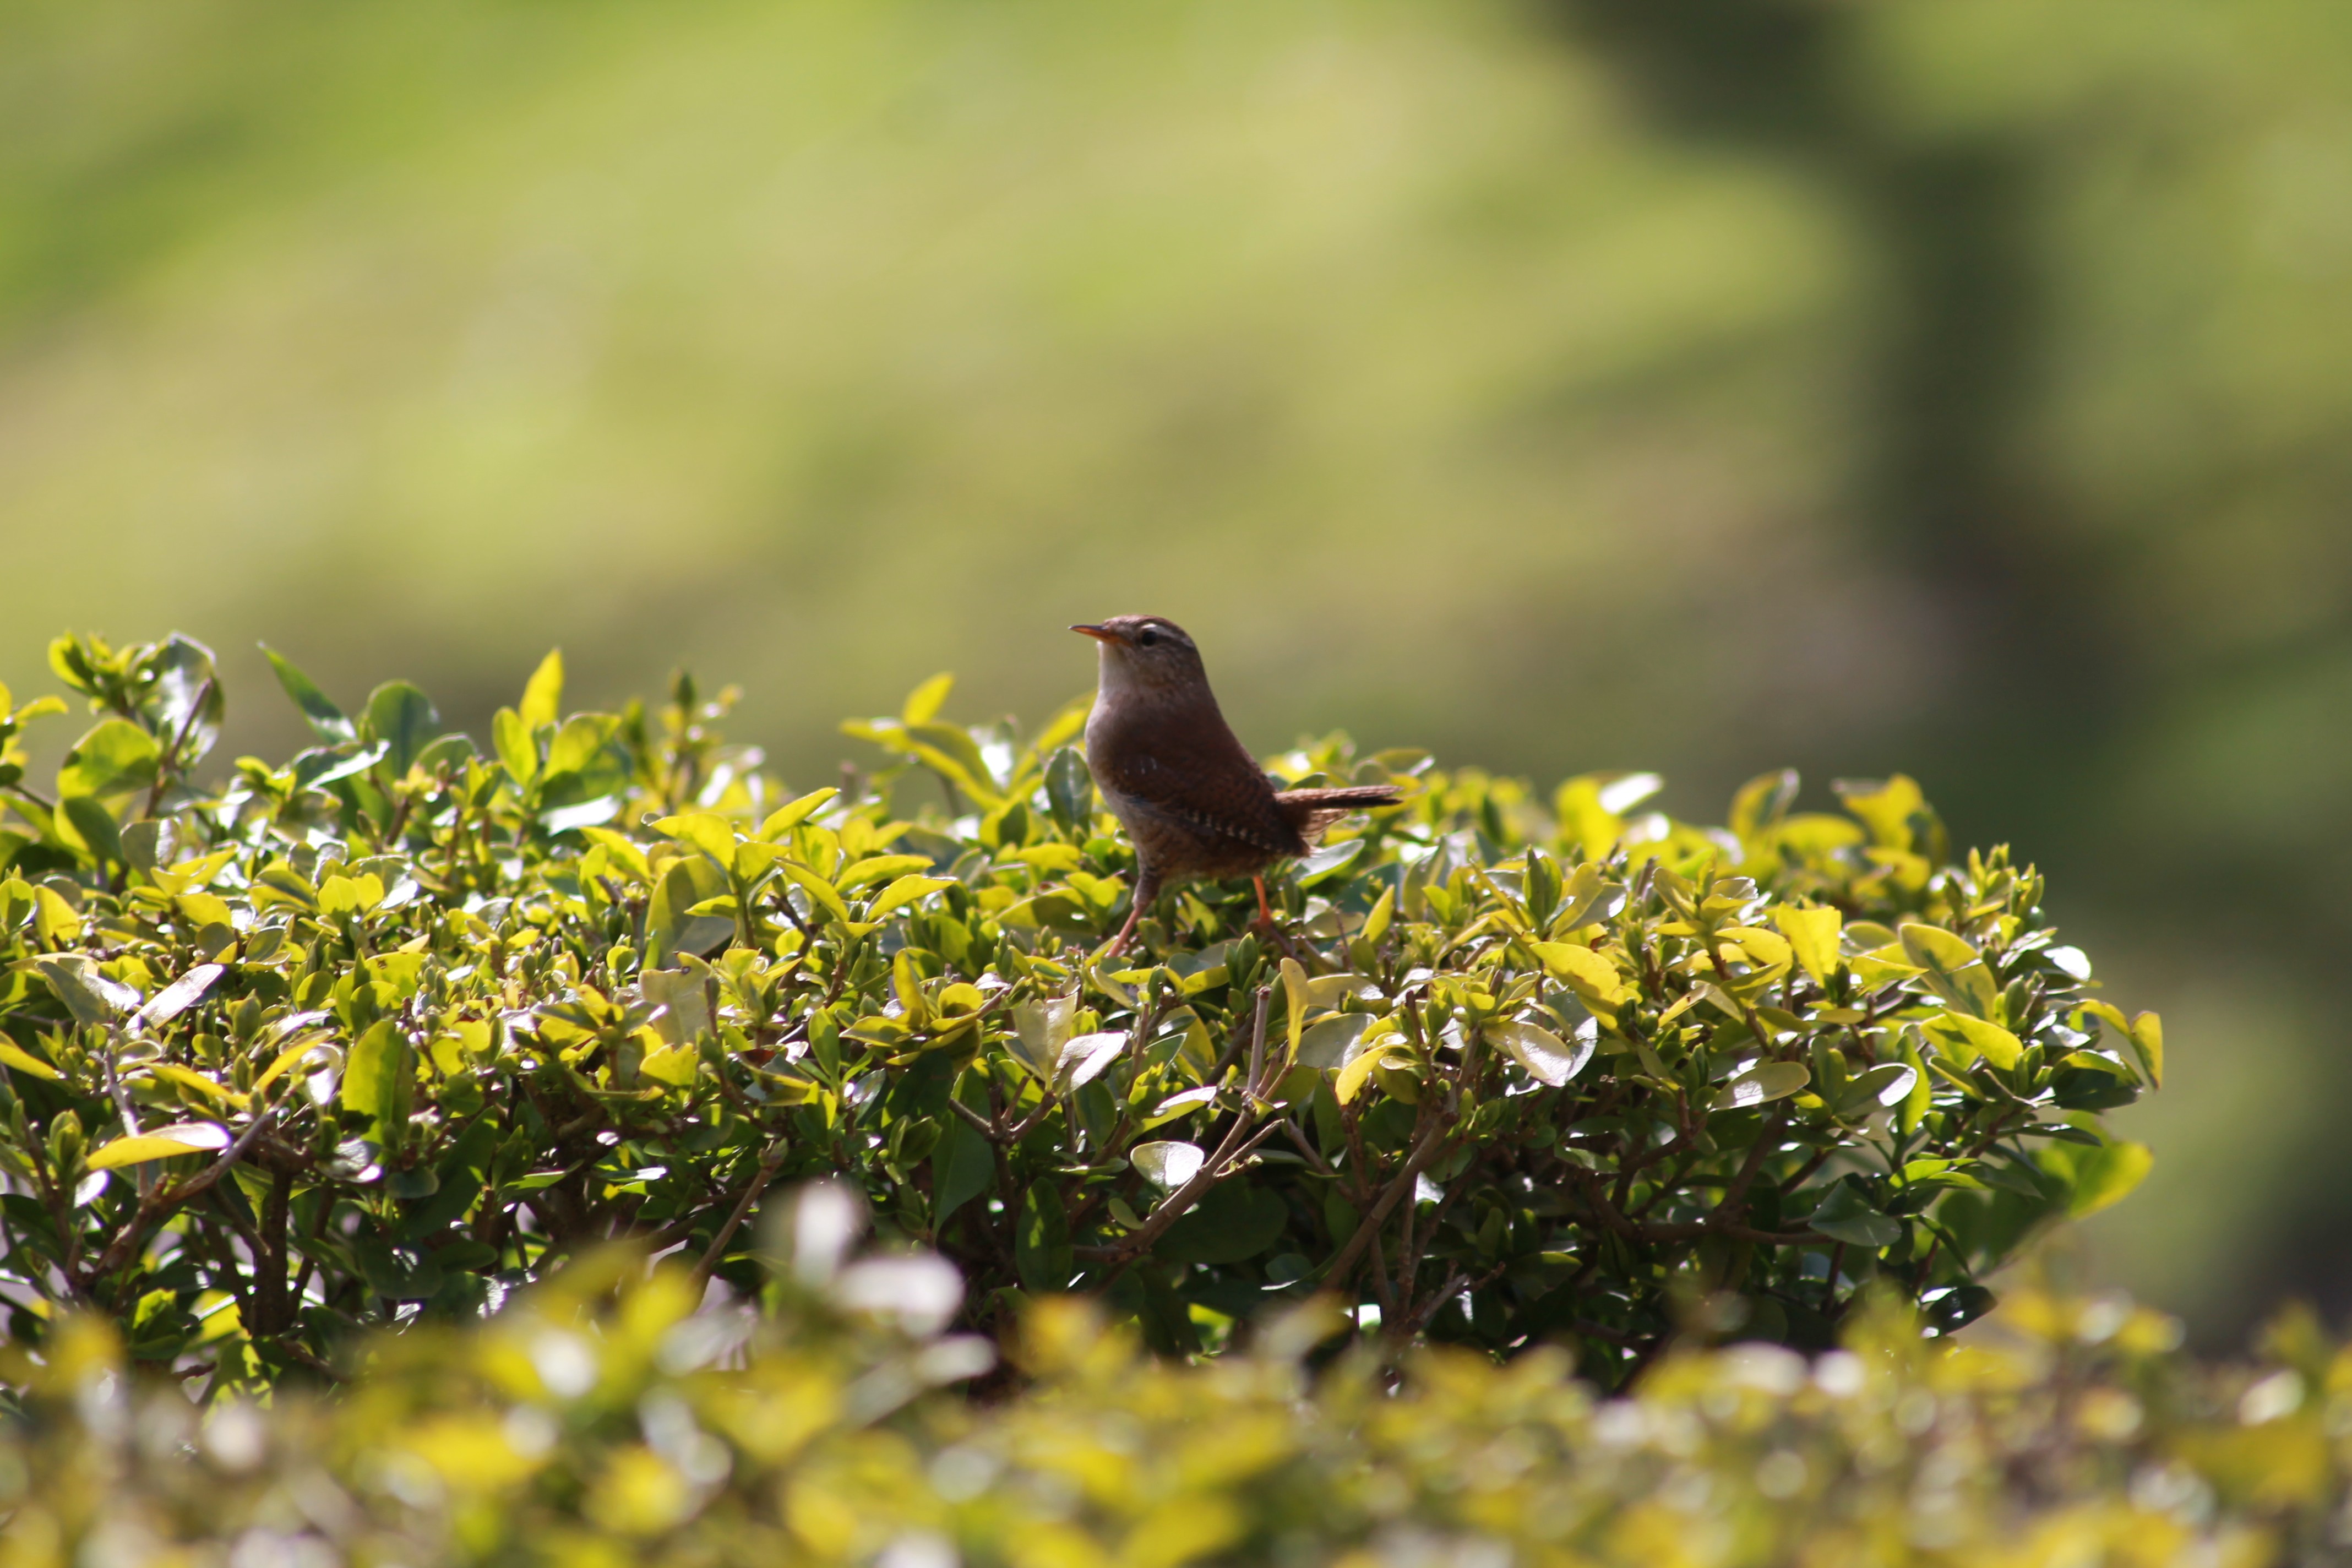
[[1266, 922], [1147, 892]]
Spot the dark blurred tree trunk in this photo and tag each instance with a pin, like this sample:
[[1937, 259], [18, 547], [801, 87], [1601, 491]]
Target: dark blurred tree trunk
[[2049, 677], [1948, 492]]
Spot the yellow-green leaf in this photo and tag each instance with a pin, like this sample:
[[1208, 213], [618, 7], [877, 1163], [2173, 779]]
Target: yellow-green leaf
[[793, 812], [1294, 986], [192, 1138], [818, 889], [1765, 949], [1589, 973], [878, 868], [1813, 937], [1955, 970], [23, 1060], [54, 920], [172, 1073], [905, 890], [1351, 1079], [923, 703], [703, 830], [357, 895], [287, 1058], [2097, 1177], [673, 1065], [517, 745], [1964, 1038], [542, 695]]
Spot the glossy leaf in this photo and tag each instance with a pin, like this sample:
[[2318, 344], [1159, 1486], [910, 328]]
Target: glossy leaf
[[326, 720]]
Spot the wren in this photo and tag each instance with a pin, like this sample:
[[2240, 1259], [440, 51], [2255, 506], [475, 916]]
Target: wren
[[1191, 796]]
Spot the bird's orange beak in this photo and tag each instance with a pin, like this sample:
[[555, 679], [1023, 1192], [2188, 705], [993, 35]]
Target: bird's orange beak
[[1100, 634]]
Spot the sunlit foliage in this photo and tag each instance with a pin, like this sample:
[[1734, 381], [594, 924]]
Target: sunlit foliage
[[395, 1027]]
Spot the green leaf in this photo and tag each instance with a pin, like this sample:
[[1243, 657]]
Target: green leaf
[[184, 697], [1168, 1166], [1069, 791], [403, 717], [1041, 1244], [91, 996], [878, 869], [341, 895], [1921, 1098], [379, 1078], [1542, 1054], [86, 826], [670, 929], [1324, 1047], [542, 695], [1233, 1222], [1847, 1215], [2097, 1177], [1763, 1083], [1955, 970], [325, 719], [1588, 897], [116, 758], [1040, 1031], [963, 1167], [1964, 1039], [579, 747]]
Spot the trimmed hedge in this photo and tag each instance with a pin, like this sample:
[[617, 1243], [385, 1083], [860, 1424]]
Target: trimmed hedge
[[599, 1421], [389, 1030]]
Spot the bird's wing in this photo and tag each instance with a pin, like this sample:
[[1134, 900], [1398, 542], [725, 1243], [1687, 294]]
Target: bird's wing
[[1220, 797]]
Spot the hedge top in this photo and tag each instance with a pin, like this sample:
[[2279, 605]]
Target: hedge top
[[396, 1026]]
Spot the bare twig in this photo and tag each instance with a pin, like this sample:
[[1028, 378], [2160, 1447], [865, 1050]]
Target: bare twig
[[768, 1164], [168, 767], [164, 1200]]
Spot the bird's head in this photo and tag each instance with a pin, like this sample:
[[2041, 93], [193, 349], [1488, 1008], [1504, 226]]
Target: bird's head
[[1147, 652]]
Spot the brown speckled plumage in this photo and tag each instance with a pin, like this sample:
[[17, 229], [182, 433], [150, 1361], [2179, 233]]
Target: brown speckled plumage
[[1191, 796]]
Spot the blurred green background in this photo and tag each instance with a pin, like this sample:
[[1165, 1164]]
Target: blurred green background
[[1957, 386]]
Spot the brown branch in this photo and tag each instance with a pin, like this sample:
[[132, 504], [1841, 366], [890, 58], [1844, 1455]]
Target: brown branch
[[166, 1200], [167, 767], [768, 1164], [1344, 1264]]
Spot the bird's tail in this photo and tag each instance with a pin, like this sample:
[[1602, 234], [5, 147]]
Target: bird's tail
[[1313, 810]]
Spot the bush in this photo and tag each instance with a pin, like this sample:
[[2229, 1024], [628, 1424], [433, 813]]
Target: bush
[[390, 1029], [596, 1421]]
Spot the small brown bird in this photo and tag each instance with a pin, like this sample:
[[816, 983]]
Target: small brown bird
[[1193, 799]]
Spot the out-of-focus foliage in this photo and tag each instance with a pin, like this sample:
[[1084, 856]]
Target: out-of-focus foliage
[[600, 1419], [396, 1027]]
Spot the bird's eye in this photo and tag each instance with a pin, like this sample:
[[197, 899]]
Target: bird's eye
[[1149, 637]]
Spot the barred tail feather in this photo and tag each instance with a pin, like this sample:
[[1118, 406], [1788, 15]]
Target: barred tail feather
[[1352, 796], [1313, 810]]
